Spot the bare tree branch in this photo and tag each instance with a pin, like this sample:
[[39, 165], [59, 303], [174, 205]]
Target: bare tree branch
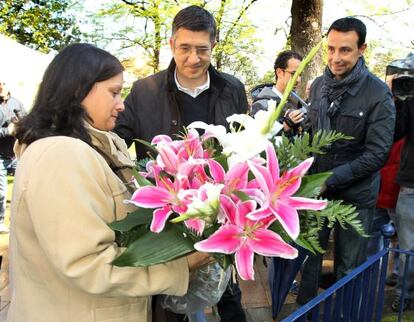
[[132, 3], [390, 13], [235, 22]]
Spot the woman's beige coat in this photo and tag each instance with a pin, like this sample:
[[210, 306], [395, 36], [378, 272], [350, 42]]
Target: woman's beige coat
[[61, 248]]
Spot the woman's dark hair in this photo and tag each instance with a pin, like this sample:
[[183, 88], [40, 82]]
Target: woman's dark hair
[[195, 18], [350, 24], [68, 79]]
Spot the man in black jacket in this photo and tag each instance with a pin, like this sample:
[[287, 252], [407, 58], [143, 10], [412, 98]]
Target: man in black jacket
[[189, 90], [350, 100]]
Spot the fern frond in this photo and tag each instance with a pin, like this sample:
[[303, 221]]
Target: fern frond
[[311, 222], [291, 153]]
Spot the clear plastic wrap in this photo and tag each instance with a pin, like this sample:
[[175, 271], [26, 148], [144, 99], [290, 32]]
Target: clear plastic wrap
[[206, 288]]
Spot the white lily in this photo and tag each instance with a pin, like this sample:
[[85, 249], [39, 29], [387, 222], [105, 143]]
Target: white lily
[[257, 125], [245, 143], [204, 205]]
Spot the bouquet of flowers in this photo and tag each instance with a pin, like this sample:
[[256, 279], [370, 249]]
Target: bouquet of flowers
[[234, 194]]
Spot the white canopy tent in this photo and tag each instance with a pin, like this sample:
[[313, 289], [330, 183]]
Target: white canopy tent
[[22, 69]]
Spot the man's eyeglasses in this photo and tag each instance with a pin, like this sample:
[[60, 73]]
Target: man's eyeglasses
[[290, 72], [187, 50]]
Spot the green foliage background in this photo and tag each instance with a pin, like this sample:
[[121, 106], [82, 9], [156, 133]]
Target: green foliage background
[[41, 24]]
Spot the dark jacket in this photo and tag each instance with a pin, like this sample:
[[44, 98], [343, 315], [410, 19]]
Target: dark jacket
[[10, 110], [405, 128], [262, 94], [151, 107], [261, 97], [367, 114]]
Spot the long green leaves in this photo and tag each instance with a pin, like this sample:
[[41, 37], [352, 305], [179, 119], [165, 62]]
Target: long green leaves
[[152, 248], [140, 216]]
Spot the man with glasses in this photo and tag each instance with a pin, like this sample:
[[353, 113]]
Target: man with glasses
[[285, 67], [189, 90]]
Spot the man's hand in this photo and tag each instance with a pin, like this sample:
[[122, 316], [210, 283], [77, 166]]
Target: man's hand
[[295, 117]]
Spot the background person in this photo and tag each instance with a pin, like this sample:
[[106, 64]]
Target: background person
[[401, 80], [11, 109], [285, 66], [404, 212], [350, 100], [72, 179], [189, 90]]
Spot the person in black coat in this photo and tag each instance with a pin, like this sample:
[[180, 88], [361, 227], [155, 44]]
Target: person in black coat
[[191, 89], [349, 99]]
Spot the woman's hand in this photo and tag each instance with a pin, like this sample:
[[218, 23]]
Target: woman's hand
[[197, 259]]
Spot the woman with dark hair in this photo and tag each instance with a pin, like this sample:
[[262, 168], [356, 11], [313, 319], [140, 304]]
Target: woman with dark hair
[[71, 181]]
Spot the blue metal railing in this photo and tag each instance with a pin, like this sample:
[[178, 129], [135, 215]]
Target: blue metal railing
[[358, 296]]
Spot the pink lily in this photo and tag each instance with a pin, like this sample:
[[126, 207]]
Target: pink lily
[[234, 179], [165, 197], [278, 192], [244, 237], [202, 208], [179, 156]]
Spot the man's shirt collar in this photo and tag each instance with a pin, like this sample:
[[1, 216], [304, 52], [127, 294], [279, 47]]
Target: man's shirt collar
[[193, 92], [279, 94]]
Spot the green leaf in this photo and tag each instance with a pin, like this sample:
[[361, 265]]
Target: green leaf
[[140, 179], [148, 145], [222, 159], [138, 217], [125, 238], [311, 184], [278, 229], [302, 242], [242, 195], [152, 248]]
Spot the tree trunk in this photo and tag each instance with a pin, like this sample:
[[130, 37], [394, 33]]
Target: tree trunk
[[157, 45], [305, 33], [219, 20], [158, 39]]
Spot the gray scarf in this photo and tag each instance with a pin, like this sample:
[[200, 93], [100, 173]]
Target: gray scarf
[[333, 90]]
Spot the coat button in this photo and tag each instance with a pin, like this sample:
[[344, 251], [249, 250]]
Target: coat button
[[174, 122], [361, 113]]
